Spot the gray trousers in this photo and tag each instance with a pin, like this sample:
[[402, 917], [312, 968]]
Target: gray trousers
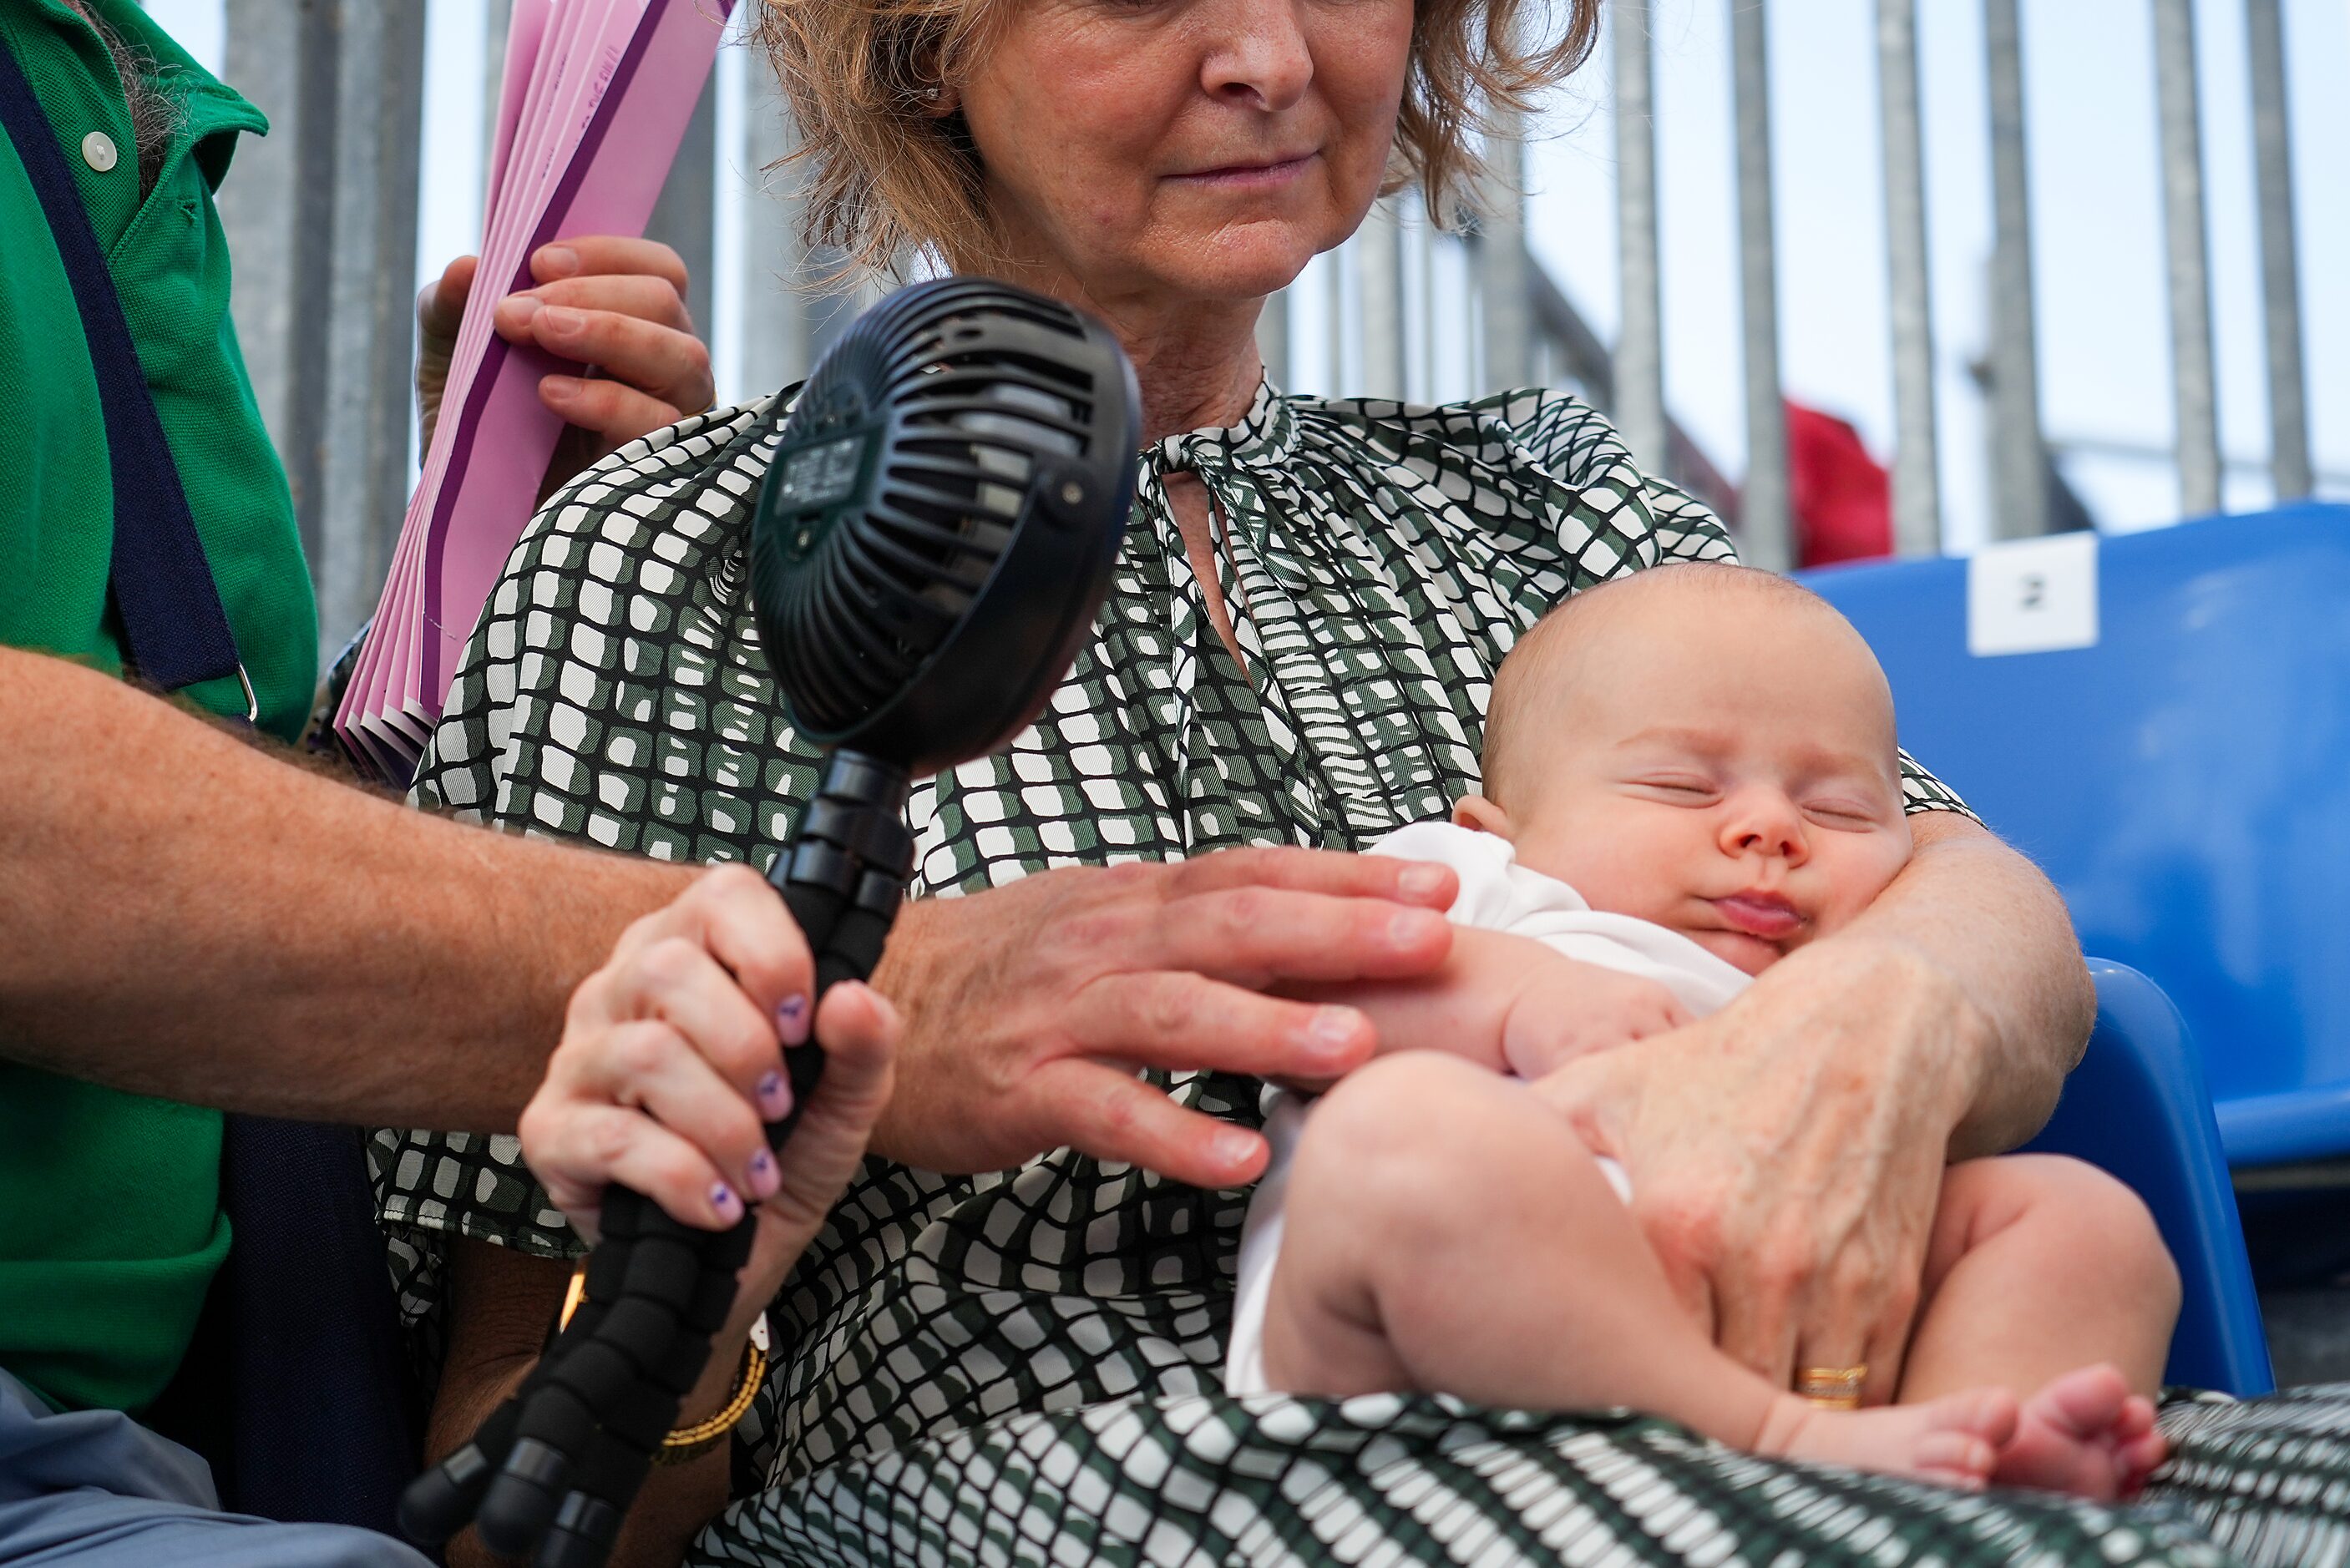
[[94, 1488]]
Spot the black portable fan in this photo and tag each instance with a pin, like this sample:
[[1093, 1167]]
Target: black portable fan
[[930, 547]]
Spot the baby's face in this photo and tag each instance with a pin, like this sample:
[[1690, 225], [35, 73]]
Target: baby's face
[[1725, 766]]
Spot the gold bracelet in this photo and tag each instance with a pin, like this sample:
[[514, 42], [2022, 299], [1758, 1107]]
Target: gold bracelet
[[690, 1443]]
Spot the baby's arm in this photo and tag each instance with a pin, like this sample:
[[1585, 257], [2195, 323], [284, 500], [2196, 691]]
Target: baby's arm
[[1511, 1004]]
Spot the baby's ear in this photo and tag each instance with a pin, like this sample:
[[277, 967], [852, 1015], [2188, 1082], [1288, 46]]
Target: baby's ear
[[1479, 815]]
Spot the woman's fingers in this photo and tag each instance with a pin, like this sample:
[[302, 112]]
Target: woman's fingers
[[1109, 1113], [1868, 1312], [653, 299], [1255, 935], [576, 1153], [652, 1066], [731, 911], [1421, 882], [665, 363], [1172, 1019], [612, 414], [591, 254], [677, 982], [440, 308]]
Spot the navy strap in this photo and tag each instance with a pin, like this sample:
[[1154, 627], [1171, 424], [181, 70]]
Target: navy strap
[[176, 631]]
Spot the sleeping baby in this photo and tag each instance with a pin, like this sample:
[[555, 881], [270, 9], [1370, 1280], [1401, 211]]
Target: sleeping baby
[[1673, 803]]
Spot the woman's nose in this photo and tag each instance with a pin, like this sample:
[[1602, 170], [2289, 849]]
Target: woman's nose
[[1257, 54]]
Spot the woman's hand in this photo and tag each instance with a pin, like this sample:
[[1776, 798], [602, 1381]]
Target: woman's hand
[[671, 1060], [1029, 1007], [614, 303], [1786, 1154]]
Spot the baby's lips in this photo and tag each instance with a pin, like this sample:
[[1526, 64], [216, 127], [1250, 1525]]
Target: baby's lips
[[1762, 915]]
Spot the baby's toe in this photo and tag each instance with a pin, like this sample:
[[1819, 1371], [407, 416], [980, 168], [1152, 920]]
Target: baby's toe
[[1955, 1459], [2083, 1403]]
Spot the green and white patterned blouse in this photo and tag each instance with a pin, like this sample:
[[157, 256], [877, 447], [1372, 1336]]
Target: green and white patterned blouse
[[1021, 1367]]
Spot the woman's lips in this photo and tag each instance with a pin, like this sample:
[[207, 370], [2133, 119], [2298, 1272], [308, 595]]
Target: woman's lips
[[1250, 176], [1763, 916]]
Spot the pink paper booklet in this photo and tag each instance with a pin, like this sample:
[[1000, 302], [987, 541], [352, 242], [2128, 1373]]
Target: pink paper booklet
[[591, 108]]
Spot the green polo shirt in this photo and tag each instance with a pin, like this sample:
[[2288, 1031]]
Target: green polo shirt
[[111, 1228]]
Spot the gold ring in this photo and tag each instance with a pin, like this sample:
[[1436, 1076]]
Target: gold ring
[[1832, 1388]]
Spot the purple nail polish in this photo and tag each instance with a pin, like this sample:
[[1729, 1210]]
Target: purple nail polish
[[723, 1198], [792, 1020], [765, 1177], [775, 1095]]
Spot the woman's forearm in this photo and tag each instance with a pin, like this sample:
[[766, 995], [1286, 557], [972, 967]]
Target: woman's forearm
[[499, 1303], [187, 915], [1985, 916]]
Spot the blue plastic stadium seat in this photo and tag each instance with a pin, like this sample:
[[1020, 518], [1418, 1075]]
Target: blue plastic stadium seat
[[2135, 1107], [2186, 781]]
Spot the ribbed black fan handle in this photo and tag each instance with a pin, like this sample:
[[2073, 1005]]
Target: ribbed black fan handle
[[554, 1468]]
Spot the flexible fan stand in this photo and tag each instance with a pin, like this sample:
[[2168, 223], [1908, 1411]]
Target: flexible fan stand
[[930, 547]]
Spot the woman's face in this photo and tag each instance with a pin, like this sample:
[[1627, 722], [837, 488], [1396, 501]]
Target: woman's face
[[1158, 151]]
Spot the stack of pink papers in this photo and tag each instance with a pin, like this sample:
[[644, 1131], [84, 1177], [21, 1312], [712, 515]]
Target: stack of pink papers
[[595, 100]]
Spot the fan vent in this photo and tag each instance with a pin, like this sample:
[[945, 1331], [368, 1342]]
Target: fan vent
[[945, 418]]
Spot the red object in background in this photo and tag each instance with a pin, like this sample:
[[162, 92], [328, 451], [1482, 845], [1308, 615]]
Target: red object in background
[[1842, 498]]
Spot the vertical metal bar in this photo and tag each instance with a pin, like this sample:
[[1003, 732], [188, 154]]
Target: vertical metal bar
[[1640, 410], [497, 18], [278, 214], [685, 218], [1499, 258], [1378, 261], [1768, 535], [2279, 265], [1917, 468], [1272, 338], [2018, 454], [778, 345], [2193, 394], [1335, 268], [368, 331], [1420, 234]]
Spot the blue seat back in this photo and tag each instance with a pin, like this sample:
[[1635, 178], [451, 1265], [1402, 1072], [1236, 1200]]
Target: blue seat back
[[2135, 1107], [2186, 781]]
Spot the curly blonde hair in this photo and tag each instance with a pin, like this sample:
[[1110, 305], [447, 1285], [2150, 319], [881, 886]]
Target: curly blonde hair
[[886, 176]]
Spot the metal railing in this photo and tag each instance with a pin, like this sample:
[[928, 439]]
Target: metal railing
[[323, 218]]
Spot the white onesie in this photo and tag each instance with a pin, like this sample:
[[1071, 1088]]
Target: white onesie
[[1497, 893]]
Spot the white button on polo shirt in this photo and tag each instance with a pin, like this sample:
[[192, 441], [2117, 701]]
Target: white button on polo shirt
[[97, 150]]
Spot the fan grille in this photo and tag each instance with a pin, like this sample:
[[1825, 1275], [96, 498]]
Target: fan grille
[[899, 482]]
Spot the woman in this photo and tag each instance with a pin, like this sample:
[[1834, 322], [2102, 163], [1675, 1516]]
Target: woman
[[1296, 652]]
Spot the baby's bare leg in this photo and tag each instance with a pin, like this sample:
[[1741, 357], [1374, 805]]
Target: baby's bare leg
[[2049, 1277], [2039, 1265], [1447, 1230]]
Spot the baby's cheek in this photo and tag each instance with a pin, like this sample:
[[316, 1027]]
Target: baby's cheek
[[1858, 876]]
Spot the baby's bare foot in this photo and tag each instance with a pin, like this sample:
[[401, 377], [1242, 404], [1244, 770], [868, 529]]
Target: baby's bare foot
[[1956, 1440], [2086, 1434]]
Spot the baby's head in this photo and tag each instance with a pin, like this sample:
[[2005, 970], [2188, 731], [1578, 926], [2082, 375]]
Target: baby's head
[[1708, 747]]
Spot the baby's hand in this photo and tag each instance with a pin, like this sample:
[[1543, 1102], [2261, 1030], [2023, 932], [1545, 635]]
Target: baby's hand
[[1567, 1009]]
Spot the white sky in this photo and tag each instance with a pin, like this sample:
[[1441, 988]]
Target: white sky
[[2089, 86]]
